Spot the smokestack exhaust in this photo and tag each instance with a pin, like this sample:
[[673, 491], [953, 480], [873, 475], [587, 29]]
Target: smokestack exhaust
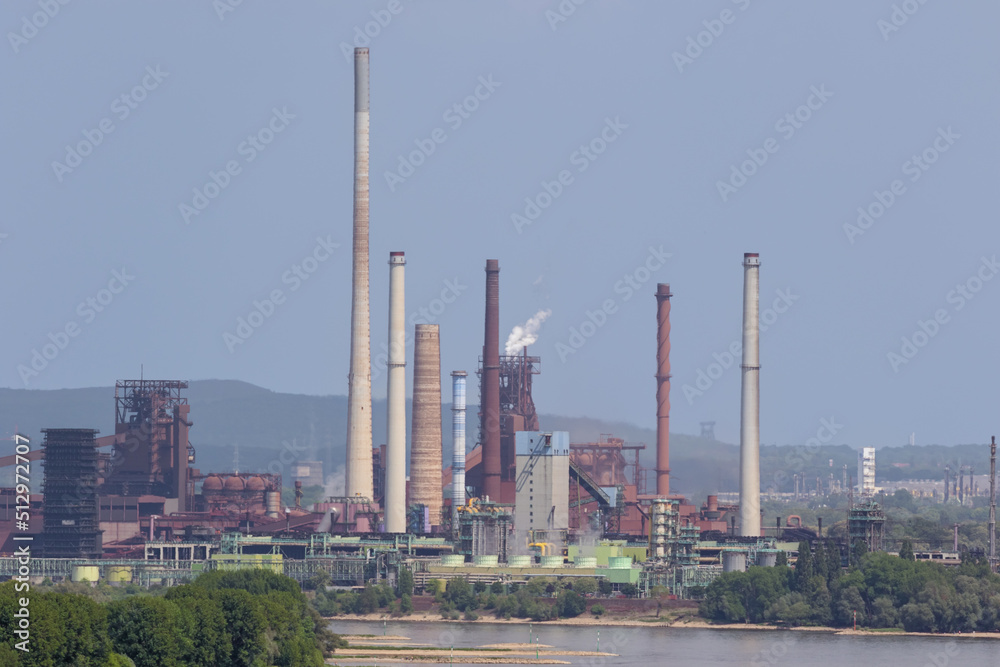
[[395, 470], [663, 389], [359, 397], [750, 400], [458, 443], [425, 441], [491, 384]]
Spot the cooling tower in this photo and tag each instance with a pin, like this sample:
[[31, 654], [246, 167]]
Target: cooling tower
[[395, 472], [750, 400], [359, 396], [425, 439]]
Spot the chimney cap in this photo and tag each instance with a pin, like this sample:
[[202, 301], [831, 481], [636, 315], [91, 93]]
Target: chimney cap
[[396, 254]]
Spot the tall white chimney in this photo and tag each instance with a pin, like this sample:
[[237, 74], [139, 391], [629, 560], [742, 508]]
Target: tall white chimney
[[359, 396], [458, 437], [395, 470], [750, 400]]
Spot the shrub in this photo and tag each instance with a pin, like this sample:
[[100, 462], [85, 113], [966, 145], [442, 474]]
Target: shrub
[[597, 610]]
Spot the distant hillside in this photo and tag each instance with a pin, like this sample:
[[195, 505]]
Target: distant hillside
[[273, 430]]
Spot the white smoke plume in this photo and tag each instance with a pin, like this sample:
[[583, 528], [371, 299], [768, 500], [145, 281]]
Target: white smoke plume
[[523, 336], [335, 483]]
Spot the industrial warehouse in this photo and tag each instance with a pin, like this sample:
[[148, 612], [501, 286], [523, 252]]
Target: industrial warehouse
[[520, 502]]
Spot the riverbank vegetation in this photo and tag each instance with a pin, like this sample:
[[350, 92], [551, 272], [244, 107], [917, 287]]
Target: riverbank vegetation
[[540, 599], [879, 591], [248, 618]]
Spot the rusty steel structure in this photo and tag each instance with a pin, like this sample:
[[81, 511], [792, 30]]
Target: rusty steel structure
[[663, 389], [152, 451], [608, 463], [489, 410]]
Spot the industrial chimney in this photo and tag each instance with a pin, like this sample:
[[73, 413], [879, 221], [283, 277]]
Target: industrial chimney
[[663, 389], [458, 443], [750, 400], [395, 473], [490, 408], [359, 397], [425, 440]]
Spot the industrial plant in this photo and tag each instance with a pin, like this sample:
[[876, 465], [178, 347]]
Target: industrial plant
[[512, 501]]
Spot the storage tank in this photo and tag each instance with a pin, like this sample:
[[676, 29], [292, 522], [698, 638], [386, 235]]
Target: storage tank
[[552, 561], [519, 561], [120, 574], [274, 504], [485, 560], [767, 558], [256, 483], [734, 561], [234, 484], [586, 561], [453, 560], [212, 484], [620, 562], [90, 573]]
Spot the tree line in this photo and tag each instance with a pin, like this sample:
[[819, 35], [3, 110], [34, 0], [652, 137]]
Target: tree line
[[245, 618], [878, 590]]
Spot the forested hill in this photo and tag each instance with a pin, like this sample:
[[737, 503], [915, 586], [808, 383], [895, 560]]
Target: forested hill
[[274, 429]]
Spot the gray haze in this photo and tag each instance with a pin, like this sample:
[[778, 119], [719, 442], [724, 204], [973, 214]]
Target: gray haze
[[208, 78]]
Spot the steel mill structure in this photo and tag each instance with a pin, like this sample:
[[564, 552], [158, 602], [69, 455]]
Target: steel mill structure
[[520, 499]]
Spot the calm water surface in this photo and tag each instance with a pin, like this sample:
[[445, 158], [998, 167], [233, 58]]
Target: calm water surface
[[670, 646]]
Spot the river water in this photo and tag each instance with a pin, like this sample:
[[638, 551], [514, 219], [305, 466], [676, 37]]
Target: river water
[[691, 646]]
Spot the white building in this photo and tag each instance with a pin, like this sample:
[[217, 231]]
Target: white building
[[866, 471], [542, 486]]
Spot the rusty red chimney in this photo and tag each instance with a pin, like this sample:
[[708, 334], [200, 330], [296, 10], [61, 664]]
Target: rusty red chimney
[[491, 384], [663, 389]]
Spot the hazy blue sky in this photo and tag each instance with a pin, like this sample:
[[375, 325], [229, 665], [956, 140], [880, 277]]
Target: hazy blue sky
[[885, 82]]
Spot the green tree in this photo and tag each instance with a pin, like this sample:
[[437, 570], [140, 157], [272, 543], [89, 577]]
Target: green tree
[[585, 585], [246, 625], [803, 567], [146, 630], [604, 586], [629, 590], [460, 594], [782, 559], [570, 604], [906, 550], [404, 583], [819, 561]]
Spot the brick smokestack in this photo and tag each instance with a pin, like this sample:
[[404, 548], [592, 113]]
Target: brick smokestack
[[490, 425], [425, 438], [663, 389], [359, 396]]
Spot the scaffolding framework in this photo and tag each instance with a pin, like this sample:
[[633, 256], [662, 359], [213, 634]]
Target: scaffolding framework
[[71, 523], [483, 529], [866, 523]]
